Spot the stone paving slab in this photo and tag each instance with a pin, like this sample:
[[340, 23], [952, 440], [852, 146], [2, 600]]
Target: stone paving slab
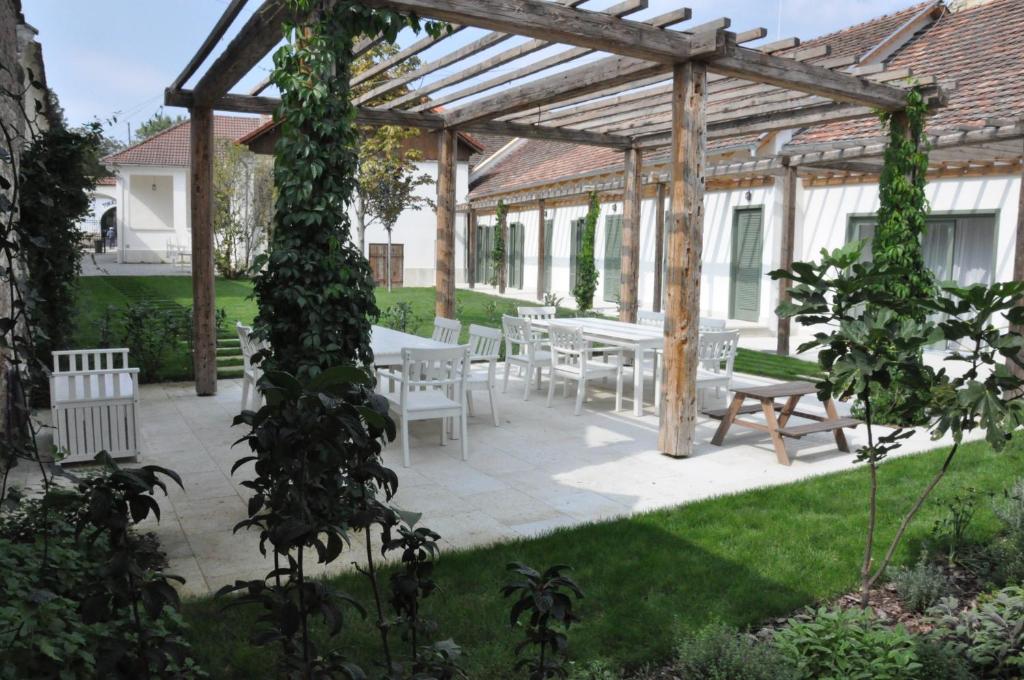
[[542, 469]]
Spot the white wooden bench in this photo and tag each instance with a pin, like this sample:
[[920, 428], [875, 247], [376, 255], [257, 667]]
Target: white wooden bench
[[94, 400]]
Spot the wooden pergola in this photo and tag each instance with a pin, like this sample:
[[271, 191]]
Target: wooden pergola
[[629, 85]]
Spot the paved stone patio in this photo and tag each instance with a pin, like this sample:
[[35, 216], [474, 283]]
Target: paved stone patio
[[542, 469]]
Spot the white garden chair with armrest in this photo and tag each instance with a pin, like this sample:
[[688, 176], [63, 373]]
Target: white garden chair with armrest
[[446, 330], [94, 402], [524, 349], [250, 374], [716, 354], [432, 385], [572, 359], [484, 344]]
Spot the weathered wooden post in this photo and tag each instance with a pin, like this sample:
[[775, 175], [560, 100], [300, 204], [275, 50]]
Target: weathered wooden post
[[444, 249], [204, 322], [541, 248], [789, 179], [685, 236], [471, 247], [629, 277], [659, 244]]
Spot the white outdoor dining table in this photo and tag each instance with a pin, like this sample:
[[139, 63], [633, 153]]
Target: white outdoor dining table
[[632, 336], [387, 345]]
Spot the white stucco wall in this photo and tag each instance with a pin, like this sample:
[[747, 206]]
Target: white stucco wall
[[822, 215], [101, 199], [150, 220], [416, 230]]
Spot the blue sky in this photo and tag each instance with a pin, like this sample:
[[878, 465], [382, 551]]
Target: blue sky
[[108, 58]]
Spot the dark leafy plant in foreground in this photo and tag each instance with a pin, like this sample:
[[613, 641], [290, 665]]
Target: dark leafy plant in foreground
[[320, 480], [547, 599], [989, 635]]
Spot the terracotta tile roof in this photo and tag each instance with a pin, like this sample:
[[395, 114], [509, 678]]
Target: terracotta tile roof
[[490, 143], [981, 48], [106, 182], [170, 147]]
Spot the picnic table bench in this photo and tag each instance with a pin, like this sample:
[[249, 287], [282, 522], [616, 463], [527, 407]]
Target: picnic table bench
[[777, 426]]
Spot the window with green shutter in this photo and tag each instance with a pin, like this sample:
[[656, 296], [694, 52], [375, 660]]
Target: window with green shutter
[[516, 241], [745, 271], [549, 227], [576, 245], [612, 257]]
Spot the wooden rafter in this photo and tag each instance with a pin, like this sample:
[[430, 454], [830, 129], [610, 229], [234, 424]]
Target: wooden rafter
[[216, 33]]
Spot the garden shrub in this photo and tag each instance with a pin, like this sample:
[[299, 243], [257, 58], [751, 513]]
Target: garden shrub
[[989, 634], [500, 276], [149, 332], [847, 644], [586, 266], [719, 652], [1008, 551], [921, 585], [401, 316], [950, 531], [939, 661]]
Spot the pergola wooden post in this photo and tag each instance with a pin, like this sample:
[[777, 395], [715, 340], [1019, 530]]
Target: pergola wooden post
[[471, 246], [541, 248], [204, 322], [659, 244], [789, 179], [1018, 263], [444, 247], [685, 240], [630, 254]]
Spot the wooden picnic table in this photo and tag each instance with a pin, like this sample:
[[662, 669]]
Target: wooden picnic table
[[778, 428]]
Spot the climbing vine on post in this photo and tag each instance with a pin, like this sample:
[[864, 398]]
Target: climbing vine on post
[[498, 278], [897, 243], [586, 267]]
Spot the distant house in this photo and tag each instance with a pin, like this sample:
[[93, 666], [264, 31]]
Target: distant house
[[102, 220], [151, 190], [413, 236]]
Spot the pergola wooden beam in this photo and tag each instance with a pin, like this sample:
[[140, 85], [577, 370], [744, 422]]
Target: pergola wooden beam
[[557, 59], [444, 268], [232, 11], [541, 249], [255, 39], [786, 246], [557, 23], [403, 55], [204, 308], [629, 268]]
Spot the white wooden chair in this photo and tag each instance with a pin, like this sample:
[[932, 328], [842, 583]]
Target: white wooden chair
[[431, 385], [484, 343], [645, 317], [94, 402], [649, 318], [251, 397], [572, 360], [708, 324], [716, 354], [446, 330], [524, 349]]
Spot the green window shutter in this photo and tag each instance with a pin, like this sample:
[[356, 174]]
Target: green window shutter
[[575, 246], [549, 227], [516, 241], [747, 256], [612, 257]]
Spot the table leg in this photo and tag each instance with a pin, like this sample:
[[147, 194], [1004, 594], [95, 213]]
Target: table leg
[[830, 409], [638, 381], [788, 409], [768, 406], [723, 427]]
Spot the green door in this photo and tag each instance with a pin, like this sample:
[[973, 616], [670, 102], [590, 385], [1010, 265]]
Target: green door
[[516, 241], [576, 246], [612, 257], [549, 228], [745, 272]]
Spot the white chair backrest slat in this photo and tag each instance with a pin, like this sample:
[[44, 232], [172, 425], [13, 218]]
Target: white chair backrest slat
[[648, 318], [434, 369], [519, 338], [446, 330], [536, 312], [717, 347], [483, 342], [79, 360], [567, 344], [708, 324]]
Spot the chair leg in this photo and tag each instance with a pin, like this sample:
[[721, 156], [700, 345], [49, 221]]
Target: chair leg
[[245, 392], [508, 367], [444, 432], [551, 388], [581, 392], [527, 374], [464, 433], [469, 402], [494, 405], [405, 442], [618, 389], [657, 386], [540, 370]]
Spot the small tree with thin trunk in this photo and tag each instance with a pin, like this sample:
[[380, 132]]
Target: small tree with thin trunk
[[389, 181], [873, 321], [586, 266]]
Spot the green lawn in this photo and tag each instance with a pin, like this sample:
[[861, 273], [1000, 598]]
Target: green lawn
[[98, 293], [737, 559]]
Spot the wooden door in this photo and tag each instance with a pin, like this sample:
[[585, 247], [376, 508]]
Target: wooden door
[[378, 264], [747, 256]]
